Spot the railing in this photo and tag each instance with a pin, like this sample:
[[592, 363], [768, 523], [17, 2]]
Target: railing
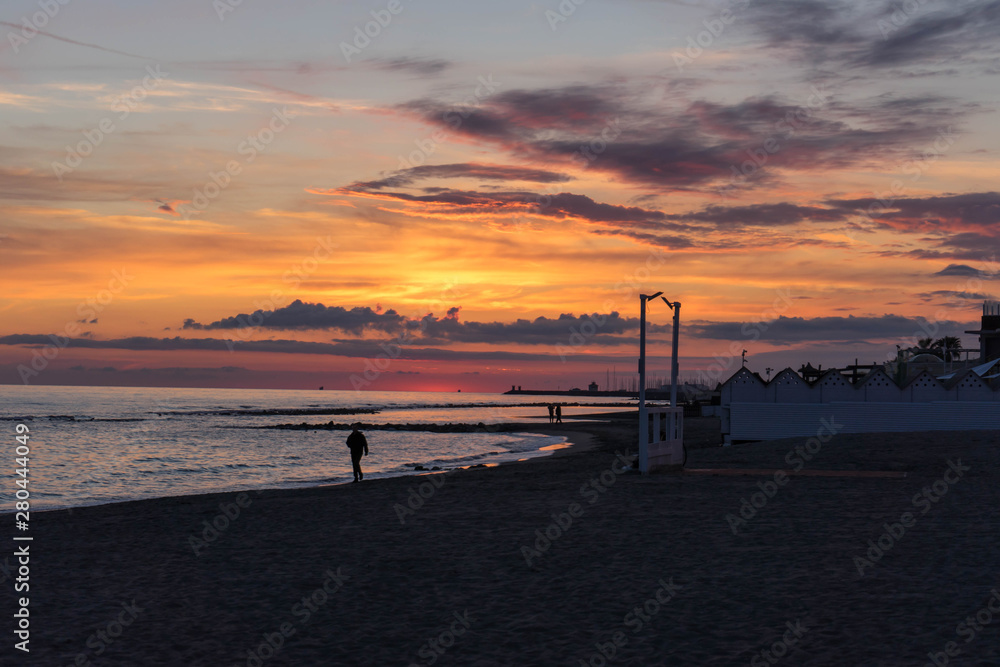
[[661, 438]]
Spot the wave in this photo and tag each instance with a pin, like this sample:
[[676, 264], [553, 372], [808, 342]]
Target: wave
[[269, 412], [73, 418]]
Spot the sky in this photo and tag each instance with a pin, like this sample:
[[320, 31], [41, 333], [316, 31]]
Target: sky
[[420, 195]]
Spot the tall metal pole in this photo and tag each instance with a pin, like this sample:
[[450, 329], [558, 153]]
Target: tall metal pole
[[643, 426], [673, 360]]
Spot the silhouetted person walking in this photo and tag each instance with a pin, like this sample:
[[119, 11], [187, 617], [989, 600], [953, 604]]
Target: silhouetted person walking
[[359, 447], [559, 414], [552, 412]]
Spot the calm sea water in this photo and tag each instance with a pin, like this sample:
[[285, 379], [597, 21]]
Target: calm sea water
[[92, 445]]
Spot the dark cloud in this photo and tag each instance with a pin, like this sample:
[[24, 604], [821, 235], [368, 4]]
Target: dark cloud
[[955, 295], [643, 225], [419, 66], [596, 329], [961, 271], [963, 227], [300, 315], [945, 212], [933, 33], [666, 241], [600, 329], [405, 177], [442, 202], [790, 330], [693, 144], [694, 229], [816, 21], [767, 215], [521, 112], [361, 349], [879, 34]]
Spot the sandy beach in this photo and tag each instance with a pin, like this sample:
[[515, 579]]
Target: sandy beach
[[563, 560]]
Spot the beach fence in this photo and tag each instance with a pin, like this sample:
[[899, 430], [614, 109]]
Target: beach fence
[[661, 439]]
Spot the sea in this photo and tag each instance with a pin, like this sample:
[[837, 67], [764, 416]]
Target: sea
[[96, 445]]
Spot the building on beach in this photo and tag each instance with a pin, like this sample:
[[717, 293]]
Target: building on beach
[[918, 390]]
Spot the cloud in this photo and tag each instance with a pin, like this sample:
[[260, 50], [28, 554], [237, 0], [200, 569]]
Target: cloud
[[445, 202], [595, 329], [710, 227], [941, 32], [979, 211], [766, 215], [694, 144], [420, 66], [566, 335], [878, 35], [667, 241], [599, 329], [300, 315], [791, 330], [355, 349], [952, 294], [959, 270], [405, 177]]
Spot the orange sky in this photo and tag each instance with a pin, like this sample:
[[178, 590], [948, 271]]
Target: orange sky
[[513, 176]]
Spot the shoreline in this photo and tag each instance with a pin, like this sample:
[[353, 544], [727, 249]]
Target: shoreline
[[562, 449]]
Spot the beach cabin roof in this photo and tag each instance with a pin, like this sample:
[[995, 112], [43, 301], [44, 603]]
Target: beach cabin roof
[[924, 380], [877, 377], [970, 379], [742, 386], [878, 386], [833, 377], [788, 376], [744, 376], [832, 385], [788, 387], [923, 388]]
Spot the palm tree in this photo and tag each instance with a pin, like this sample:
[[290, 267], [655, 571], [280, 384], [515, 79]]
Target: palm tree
[[925, 344], [948, 347]]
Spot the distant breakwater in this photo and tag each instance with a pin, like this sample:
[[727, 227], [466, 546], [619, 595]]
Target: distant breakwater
[[651, 394]]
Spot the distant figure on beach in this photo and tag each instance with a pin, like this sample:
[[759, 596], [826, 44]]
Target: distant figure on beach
[[559, 414], [552, 413], [359, 447]]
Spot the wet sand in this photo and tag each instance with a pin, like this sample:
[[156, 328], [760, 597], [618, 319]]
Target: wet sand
[[548, 561]]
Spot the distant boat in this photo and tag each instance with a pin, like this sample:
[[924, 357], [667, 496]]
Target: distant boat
[[321, 388]]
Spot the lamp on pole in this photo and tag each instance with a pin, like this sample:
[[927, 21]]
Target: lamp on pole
[[643, 419], [676, 307]]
